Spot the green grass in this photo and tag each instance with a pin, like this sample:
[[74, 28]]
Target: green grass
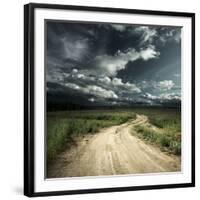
[[168, 136], [64, 126], [167, 140], [173, 124]]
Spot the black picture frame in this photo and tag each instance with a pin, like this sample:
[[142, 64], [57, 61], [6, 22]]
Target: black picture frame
[[29, 98]]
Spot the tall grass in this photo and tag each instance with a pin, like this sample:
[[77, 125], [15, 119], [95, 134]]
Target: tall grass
[[168, 136], [63, 127], [173, 124]]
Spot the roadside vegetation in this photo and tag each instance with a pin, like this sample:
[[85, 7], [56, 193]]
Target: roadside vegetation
[[64, 126], [166, 135]]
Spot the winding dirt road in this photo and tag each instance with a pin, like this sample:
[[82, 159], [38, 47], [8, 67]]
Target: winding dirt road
[[112, 151]]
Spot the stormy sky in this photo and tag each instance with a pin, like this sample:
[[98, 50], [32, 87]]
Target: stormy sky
[[112, 64]]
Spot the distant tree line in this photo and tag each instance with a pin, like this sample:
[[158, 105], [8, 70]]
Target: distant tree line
[[72, 106], [63, 106]]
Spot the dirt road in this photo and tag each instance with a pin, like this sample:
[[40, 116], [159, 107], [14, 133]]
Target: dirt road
[[112, 151]]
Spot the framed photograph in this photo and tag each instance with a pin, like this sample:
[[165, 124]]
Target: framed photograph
[[108, 99]]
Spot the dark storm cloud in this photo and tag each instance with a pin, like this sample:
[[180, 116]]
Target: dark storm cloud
[[113, 63]]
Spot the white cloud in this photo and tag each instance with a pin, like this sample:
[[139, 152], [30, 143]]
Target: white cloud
[[170, 35], [54, 77], [105, 79], [91, 99], [66, 75], [170, 96], [84, 77], [166, 84], [114, 103], [148, 34], [109, 65], [119, 27], [129, 86], [99, 92], [177, 37], [75, 49], [132, 87], [74, 70], [93, 90], [117, 81], [72, 86], [111, 84], [163, 97], [157, 86], [81, 76], [149, 53], [150, 96]]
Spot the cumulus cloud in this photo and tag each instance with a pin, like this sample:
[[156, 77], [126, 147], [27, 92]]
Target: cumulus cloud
[[74, 70], [91, 99], [82, 76], [166, 84], [118, 84], [117, 81], [170, 34], [130, 87], [150, 96], [118, 27], [75, 49], [102, 87], [72, 86], [163, 96], [55, 76], [76, 78], [90, 59], [147, 34], [105, 79], [158, 86], [99, 92], [149, 53], [93, 90], [170, 96], [111, 64], [151, 35]]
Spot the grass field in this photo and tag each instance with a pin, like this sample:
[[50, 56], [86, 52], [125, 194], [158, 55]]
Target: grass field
[[167, 134], [64, 126]]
